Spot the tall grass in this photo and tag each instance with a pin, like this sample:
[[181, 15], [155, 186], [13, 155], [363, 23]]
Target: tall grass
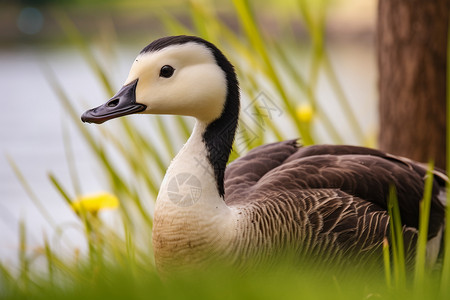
[[118, 261]]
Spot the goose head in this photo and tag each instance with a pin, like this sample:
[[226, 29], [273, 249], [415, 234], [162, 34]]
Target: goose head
[[179, 75]]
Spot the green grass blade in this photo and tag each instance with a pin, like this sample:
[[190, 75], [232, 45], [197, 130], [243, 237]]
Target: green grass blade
[[141, 209], [70, 109], [202, 28], [387, 263], [184, 128], [173, 25], [165, 138], [77, 39], [310, 96], [130, 249], [7, 281], [70, 158], [24, 278], [248, 22], [260, 132], [398, 250], [60, 188], [224, 33], [140, 142], [34, 198], [316, 31], [425, 204], [50, 260], [116, 180], [344, 103], [134, 159]]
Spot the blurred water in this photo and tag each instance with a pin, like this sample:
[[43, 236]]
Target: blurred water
[[32, 122], [31, 125]]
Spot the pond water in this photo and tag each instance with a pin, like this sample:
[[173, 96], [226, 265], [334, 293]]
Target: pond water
[[32, 122]]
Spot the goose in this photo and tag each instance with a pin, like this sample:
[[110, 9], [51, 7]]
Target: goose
[[279, 197]]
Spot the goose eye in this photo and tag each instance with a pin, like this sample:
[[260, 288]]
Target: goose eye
[[166, 71]]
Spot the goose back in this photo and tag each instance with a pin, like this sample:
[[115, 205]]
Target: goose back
[[339, 192]]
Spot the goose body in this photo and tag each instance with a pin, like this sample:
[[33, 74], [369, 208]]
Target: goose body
[[279, 197]]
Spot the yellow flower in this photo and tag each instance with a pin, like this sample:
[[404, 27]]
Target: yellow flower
[[93, 203], [305, 112]]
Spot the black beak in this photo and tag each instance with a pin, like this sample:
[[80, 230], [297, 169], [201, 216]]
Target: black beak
[[123, 103]]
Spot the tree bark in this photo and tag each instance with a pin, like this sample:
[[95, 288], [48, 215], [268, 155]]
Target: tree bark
[[412, 52]]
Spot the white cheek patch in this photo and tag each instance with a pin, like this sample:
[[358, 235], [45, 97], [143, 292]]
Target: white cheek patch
[[208, 92]]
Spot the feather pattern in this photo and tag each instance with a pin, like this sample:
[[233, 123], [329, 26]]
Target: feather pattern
[[326, 197]]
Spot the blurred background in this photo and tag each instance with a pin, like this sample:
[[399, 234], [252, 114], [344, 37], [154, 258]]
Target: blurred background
[[41, 53]]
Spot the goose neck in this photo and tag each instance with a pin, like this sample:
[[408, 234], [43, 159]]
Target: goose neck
[[190, 177]]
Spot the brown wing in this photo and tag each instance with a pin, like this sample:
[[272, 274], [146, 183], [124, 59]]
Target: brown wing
[[245, 172], [360, 172]]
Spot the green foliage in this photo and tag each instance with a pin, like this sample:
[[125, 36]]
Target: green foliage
[[398, 249], [119, 262]]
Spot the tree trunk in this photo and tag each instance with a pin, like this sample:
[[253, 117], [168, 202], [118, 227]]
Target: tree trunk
[[412, 47]]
